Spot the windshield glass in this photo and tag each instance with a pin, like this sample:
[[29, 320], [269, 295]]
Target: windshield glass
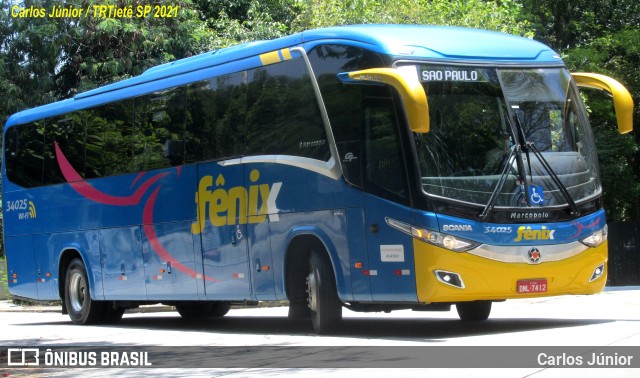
[[474, 136]]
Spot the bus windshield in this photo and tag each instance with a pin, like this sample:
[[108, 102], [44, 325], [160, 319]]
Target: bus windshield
[[480, 117]]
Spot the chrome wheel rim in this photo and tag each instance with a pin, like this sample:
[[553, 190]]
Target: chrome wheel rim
[[77, 291], [312, 290]]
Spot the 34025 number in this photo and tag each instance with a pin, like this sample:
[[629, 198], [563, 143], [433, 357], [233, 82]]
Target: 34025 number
[[17, 205], [498, 230]]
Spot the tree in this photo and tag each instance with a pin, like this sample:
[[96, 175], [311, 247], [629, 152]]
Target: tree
[[600, 37], [47, 59], [234, 22], [617, 55], [493, 15], [28, 58]]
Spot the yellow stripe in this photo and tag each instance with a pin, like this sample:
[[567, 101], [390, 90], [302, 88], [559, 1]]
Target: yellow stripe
[[286, 54], [269, 58]]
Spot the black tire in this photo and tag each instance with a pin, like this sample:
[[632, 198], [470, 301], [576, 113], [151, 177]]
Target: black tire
[[201, 310], [299, 310], [77, 296], [326, 309], [474, 311]]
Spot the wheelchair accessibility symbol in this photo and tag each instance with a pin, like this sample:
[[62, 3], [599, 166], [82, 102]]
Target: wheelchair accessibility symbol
[[536, 195]]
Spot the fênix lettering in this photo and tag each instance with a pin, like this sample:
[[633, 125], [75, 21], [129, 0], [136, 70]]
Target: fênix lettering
[[527, 233], [235, 205]]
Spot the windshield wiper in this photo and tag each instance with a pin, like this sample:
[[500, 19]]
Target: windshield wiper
[[516, 151], [503, 178], [554, 177]]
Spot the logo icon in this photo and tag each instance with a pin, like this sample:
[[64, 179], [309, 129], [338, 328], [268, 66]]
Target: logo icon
[[349, 157], [23, 357], [536, 194], [32, 209], [534, 255]]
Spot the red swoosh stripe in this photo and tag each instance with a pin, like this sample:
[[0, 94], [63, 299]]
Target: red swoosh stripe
[[84, 189], [150, 232]]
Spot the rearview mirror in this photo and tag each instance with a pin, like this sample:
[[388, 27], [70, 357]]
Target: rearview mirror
[[405, 81], [622, 101]]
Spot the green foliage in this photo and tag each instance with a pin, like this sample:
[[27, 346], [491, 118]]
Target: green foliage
[[4, 284], [46, 59], [615, 54], [569, 23], [234, 22], [1, 237], [493, 15], [99, 51]]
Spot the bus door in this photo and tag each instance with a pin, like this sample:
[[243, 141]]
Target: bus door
[[260, 258], [168, 246], [391, 268], [222, 231]]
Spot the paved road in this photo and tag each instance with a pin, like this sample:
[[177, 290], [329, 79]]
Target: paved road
[[607, 320]]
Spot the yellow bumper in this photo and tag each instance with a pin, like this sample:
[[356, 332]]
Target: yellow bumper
[[486, 279]]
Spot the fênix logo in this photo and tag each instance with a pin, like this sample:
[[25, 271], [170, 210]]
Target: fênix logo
[[234, 205], [527, 233]]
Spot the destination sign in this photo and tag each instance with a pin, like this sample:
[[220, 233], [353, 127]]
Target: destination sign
[[430, 73]]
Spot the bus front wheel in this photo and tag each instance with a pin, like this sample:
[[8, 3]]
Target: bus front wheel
[[326, 309], [82, 309], [474, 311]]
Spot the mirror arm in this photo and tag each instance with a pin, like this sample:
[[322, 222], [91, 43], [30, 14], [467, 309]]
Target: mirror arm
[[622, 101]]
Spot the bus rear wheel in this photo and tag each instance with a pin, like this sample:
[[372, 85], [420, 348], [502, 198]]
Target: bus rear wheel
[[474, 311], [82, 309], [326, 309], [201, 310]]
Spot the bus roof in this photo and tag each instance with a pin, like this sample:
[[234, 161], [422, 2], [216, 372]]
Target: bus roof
[[401, 41]]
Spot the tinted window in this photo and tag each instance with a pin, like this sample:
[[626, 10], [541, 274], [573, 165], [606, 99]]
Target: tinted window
[[24, 154], [68, 132], [159, 130], [215, 118], [283, 116], [384, 174], [345, 103], [95, 127], [116, 119]]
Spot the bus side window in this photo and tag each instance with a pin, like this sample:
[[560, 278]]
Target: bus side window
[[116, 121], [384, 170], [215, 118], [68, 132], [95, 126], [24, 154], [344, 102], [159, 130], [283, 117]]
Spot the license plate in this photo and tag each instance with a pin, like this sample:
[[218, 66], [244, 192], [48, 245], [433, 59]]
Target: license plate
[[532, 286]]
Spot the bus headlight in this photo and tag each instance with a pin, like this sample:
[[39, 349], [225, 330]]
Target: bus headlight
[[449, 242], [596, 238]]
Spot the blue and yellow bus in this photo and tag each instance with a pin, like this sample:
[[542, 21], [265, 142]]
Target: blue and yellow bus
[[375, 168]]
